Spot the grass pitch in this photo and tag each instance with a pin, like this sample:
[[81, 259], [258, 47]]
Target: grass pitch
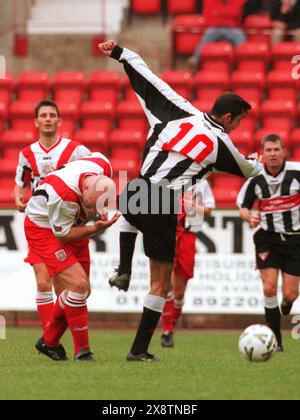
[[203, 365]]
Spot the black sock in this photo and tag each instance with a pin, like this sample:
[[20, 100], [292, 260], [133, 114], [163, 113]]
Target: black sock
[[286, 307], [127, 244], [145, 331], [273, 318]]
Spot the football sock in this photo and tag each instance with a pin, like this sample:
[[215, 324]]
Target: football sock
[[127, 245], [45, 305], [273, 317], [153, 307], [167, 315], [177, 310], [58, 323], [77, 318], [286, 307]]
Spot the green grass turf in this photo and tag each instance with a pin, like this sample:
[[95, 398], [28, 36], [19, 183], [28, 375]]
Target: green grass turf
[[203, 365]]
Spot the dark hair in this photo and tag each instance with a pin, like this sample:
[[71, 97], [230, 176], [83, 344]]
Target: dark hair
[[230, 103], [45, 102], [273, 138]]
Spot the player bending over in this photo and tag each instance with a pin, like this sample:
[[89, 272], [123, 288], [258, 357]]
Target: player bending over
[[58, 237]]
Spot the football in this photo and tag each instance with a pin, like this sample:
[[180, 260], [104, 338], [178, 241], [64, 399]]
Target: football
[[258, 343]]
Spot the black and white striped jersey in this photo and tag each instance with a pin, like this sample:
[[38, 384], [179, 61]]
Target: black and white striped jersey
[[184, 144], [278, 198]]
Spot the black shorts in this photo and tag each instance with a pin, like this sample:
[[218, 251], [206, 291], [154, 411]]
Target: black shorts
[[278, 251], [157, 223]]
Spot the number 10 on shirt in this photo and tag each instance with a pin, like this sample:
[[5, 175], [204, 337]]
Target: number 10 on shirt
[[189, 145]]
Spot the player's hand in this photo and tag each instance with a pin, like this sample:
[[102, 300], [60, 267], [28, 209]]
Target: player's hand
[[107, 47], [101, 225], [254, 221], [255, 156], [21, 206]]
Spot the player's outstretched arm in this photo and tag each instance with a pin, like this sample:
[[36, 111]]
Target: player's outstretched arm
[[107, 47], [159, 101], [81, 232]]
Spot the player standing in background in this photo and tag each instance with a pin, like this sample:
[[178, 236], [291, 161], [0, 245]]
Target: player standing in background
[[35, 163], [184, 145], [203, 202], [58, 236], [277, 242]]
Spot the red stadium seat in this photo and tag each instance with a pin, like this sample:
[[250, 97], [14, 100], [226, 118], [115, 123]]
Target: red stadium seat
[[253, 56], [244, 141], [95, 140], [181, 81], [204, 106], [145, 7], [210, 85], [3, 116], [131, 116], [131, 166], [281, 85], [262, 133], [127, 138], [278, 115], [13, 141], [181, 6], [295, 155], [248, 84], [69, 86], [226, 189], [127, 143], [7, 182], [128, 91], [22, 116], [7, 172], [105, 86], [33, 86], [295, 138], [70, 116], [186, 33], [283, 53], [97, 115], [6, 88], [217, 56], [258, 28]]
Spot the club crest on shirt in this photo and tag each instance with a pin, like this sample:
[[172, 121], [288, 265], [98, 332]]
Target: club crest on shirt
[[264, 256], [61, 255], [274, 188]]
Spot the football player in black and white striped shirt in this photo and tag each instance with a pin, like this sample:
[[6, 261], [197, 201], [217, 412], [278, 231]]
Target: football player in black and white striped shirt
[[184, 145], [277, 190]]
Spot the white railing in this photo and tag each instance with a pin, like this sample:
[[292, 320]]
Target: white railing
[[76, 16]]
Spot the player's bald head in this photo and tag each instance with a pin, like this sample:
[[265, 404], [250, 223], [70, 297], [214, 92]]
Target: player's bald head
[[98, 191]]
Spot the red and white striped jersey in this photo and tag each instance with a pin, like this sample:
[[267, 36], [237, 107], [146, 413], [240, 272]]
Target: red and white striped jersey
[[36, 162], [56, 203]]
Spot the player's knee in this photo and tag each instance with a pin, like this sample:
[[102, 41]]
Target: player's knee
[[44, 284], [270, 290], [291, 296], [81, 286]]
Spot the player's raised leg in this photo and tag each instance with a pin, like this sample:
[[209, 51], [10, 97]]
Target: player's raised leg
[[127, 240]]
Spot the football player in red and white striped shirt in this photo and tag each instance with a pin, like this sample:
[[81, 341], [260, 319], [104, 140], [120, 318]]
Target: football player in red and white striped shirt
[[35, 163], [58, 237]]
